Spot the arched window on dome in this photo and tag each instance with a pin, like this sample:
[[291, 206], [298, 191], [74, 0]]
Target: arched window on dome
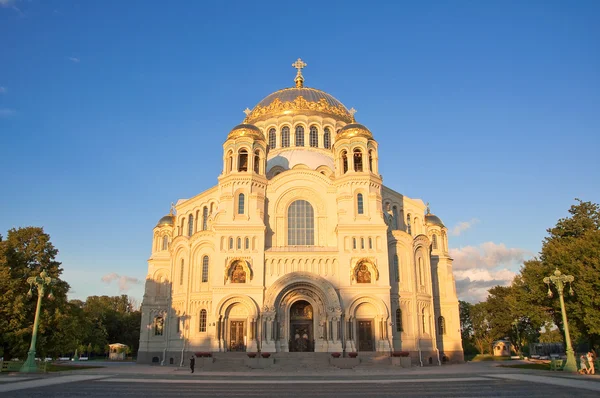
[[299, 136], [345, 161], [256, 162], [314, 137], [229, 161], [399, 327], [241, 204], [181, 274], [301, 224], [205, 269], [358, 166], [165, 242], [230, 243], [247, 244], [354, 243], [205, 218], [243, 160], [434, 242], [202, 328], [441, 325], [190, 225], [362, 243], [327, 138], [285, 137], [370, 243], [408, 229], [371, 160], [272, 139], [359, 204], [239, 243], [395, 217]]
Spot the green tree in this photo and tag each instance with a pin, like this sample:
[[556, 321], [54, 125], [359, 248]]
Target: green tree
[[573, 246], [482, 332], [26, 252], [466, 327]]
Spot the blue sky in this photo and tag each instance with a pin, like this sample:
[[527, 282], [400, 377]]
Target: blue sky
[[111, 110]]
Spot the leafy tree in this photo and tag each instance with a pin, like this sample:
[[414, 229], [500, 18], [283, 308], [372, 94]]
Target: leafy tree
[[466, 327], [482, 331], [573, 247], [24, 253]]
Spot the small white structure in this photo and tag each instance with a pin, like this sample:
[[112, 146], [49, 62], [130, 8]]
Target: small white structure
[[117, 351], [501, 348]]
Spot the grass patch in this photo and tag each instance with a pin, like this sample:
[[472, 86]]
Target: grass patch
[[61, 368], [536, 366]]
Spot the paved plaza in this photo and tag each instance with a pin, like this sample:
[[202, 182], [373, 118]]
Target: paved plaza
[[482, 379]]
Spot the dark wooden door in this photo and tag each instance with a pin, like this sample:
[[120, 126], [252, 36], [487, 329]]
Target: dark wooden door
[[301, 337], [236, 336], [365, 336]]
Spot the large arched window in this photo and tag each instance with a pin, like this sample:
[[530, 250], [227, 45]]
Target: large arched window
[[327, 138], [441, 325], [202, 321], [241, 204], [243, 160], [358, 165], [314, 137], [256, 162], [190, 225], [285, 137], [205, 218], [421, 279], [395, 217], [344, 162], [396, 268], [205, 269], [272, 139], [301, 224], [299, 136], [359, 204], [165, 242], [181, 274], [399, 327], [434, 242]]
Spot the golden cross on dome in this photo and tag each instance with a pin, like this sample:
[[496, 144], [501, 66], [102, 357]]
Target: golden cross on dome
[[247, 111], [299, 64]]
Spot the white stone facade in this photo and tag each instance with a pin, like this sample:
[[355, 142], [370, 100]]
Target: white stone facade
[[300, 248]]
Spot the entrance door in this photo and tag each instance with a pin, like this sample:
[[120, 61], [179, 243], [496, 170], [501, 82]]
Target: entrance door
[[236, 336], [301, 327], [365, 335]]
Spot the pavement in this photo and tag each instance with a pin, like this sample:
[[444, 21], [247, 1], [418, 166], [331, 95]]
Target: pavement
[[470, 373]]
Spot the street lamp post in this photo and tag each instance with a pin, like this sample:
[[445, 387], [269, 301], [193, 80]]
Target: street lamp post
[[41, 282], [560, 280]]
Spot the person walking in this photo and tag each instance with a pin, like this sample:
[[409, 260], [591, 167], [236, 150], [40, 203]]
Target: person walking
[[583, 370], [590, 359], [192, 363]]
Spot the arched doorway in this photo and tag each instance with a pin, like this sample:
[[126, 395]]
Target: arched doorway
[[301, 327]]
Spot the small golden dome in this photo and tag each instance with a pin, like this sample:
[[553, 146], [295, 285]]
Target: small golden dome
[[354, 130], [434, 220], [169, 219], [246, 130]]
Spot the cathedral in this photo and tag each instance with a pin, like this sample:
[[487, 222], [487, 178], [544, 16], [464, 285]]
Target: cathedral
[[300, 248]]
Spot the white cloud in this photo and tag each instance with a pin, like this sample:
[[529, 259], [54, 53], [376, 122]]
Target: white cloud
[[124, 282], [2, 89], [74, 59], [477, 269], [487, 255], [6, 112], [7, 3], [463, 226]]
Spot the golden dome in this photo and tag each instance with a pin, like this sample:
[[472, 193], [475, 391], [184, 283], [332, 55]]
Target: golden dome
[[299, 101], [167, 220], [354, 130], [246, 130]]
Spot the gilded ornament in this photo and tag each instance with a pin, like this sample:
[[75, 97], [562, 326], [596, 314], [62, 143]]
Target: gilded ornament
[[299, 104]]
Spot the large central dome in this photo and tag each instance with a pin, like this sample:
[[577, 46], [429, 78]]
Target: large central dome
[[299, 100]]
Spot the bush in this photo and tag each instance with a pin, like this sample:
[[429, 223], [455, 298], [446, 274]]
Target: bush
[[335, 354]]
